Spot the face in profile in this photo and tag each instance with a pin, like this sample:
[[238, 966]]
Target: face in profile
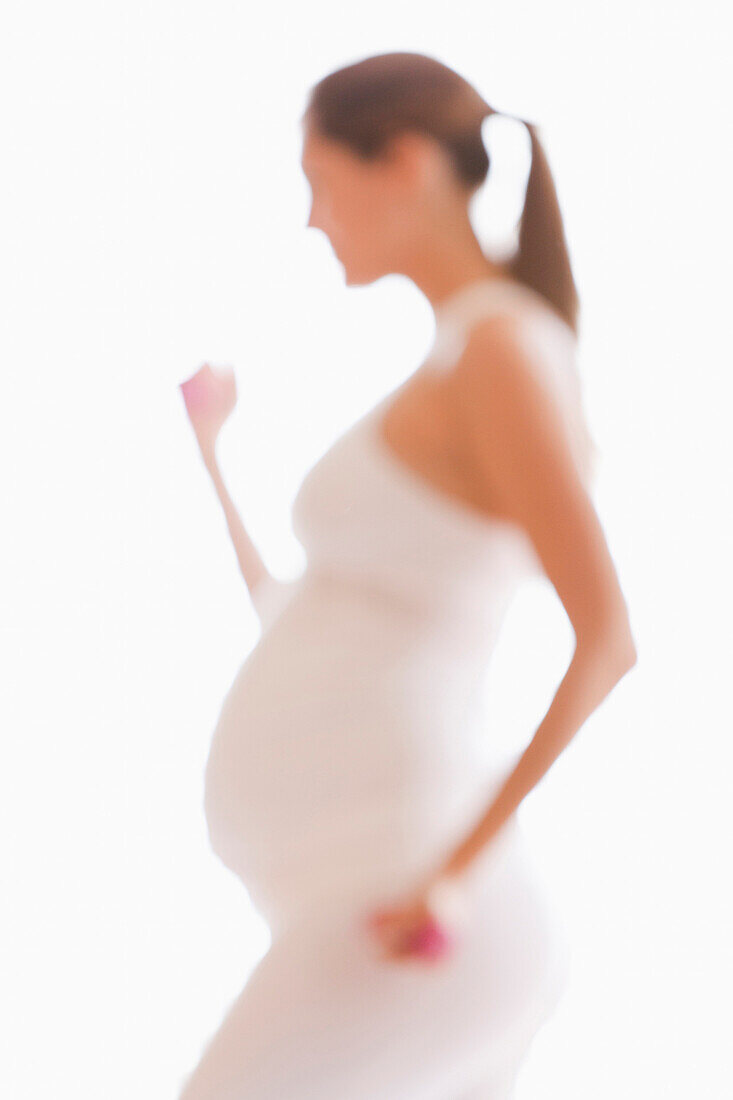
[[367, 208]]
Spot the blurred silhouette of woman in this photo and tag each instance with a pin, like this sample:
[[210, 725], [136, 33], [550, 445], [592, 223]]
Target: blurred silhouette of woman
[[351, 783]]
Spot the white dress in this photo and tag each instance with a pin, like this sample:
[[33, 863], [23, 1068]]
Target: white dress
[[352, 751]]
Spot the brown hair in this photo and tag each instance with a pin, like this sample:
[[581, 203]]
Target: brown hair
[[365, 104]]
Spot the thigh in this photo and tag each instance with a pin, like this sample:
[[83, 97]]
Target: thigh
[[324, 1016], [330, 1021]]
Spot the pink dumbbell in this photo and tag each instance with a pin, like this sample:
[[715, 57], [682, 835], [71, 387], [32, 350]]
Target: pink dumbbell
[[430, 940]]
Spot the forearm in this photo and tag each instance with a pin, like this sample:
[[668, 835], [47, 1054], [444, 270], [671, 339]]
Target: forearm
[[595, 669], [251, 564]]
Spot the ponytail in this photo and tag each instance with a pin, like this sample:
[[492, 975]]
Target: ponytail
[[541, 261]]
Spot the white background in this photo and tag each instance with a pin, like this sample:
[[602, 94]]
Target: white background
[[153, 218]]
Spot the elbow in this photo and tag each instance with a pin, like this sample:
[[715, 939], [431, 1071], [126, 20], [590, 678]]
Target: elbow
[[269, 596], [613, 643], [627, 658]]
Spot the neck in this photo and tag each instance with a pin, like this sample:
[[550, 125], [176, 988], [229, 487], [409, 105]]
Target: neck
[[446, 262]]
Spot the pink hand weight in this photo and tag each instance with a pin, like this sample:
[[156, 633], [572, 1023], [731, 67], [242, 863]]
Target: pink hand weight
[[197, 389], [430, 940], [210, 392]]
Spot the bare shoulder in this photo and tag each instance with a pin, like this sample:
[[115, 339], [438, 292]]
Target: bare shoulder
[[523, 367], [512, 426], [503, 360]]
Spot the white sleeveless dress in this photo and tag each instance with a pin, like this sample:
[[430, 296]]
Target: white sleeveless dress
[[352, 751]]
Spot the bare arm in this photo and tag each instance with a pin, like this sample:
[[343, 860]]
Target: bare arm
[[518, 443], [591, 676], [261, 585], [210, 395]]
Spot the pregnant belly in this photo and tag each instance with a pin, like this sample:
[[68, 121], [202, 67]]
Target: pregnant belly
[[336, 725]]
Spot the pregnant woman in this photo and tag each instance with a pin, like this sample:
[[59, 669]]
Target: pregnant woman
[[351, 782]]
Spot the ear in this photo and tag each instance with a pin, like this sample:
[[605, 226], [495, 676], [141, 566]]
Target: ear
[[411, 155]]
